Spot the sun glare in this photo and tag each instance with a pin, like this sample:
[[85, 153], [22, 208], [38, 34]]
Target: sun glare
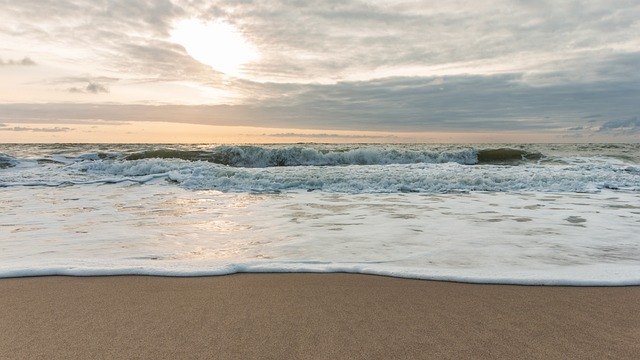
[[217, 44]]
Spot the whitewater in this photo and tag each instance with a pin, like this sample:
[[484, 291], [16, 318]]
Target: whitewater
[[535, 214]]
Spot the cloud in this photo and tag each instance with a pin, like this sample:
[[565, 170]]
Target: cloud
[[330, 136], [337, 41], [83, 79], [96, 88], [629, 126], [158, 60], [460, 103], [123, 37], [454, 103], [26, 61], [4, 127], [621, 127], [85, 84], [486, 65], [91, 88], [365, 39]]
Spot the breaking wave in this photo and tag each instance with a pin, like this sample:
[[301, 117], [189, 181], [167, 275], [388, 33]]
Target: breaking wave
[[258, 157], [333, 168], [7, 161], [423, 177]]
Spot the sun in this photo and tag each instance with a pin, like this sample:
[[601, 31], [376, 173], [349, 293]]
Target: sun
[[217, 44]]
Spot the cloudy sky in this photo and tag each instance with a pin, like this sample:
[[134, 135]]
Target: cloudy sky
[[281, 71]]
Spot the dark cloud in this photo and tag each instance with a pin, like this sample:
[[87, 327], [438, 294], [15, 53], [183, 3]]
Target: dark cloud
[[85, 84], [83, 79], [91, 88], [26, 61], [96, 88], [629, 126], [455, 103]]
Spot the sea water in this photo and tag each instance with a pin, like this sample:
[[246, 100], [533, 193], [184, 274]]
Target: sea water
[[561, 214]]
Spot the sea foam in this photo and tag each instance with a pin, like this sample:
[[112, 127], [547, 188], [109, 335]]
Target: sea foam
[[510, 238]]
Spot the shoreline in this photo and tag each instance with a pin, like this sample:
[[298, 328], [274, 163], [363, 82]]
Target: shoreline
[[311, 316]]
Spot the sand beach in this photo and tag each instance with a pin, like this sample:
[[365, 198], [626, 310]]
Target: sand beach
[[311, 316]]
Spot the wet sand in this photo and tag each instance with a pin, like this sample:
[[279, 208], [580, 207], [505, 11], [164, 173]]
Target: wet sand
[[311, 316]]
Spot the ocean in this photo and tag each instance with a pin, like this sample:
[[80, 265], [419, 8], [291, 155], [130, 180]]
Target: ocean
[[534, 214]]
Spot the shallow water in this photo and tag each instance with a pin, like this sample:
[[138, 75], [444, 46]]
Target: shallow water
[[559, 219]]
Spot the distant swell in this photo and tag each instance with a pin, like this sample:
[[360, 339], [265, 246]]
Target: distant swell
[[171, 154], [7, 161], [506, 155]]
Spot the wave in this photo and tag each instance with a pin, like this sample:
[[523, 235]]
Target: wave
[[260, 157], [332, 168], [277, 156], [7, 161], [506, 156], [423, 177], [171, 154]]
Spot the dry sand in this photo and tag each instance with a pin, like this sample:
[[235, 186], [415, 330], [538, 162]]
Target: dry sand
[[311, 316]]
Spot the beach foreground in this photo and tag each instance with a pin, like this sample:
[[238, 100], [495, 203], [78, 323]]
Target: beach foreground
[[311, 316]]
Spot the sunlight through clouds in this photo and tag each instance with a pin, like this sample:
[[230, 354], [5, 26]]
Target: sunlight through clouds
[[217, 44]]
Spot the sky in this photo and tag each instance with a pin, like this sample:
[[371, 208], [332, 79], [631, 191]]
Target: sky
[[319, 71]]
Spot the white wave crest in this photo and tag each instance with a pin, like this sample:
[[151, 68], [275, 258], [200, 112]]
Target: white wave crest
[[445, 177], [258, 156]]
